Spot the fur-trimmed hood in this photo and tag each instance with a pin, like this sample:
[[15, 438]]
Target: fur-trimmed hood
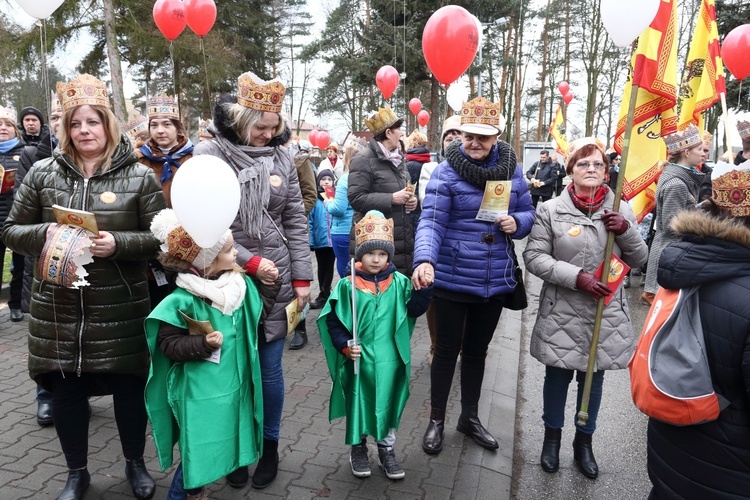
[[711, 249], [222, 125]]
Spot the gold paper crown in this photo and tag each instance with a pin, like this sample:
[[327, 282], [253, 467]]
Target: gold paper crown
[[381, 121], [706, 137], [181, 245], [373, 227], [354, 142], [731, 192], [55, 108], [203, 132], [8, 114], [136, 127], [85, 89], [163, 106], [480, 111], [683, 139], [743, 127], [254, 93]]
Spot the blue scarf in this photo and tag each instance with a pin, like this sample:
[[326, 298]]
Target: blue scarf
[[169, 160], [8, 145]]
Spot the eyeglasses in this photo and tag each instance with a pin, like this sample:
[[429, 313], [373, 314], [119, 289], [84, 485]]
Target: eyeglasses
[[585, 165]]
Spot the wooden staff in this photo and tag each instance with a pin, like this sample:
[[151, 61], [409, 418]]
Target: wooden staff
[[355, 337], [583, 415]]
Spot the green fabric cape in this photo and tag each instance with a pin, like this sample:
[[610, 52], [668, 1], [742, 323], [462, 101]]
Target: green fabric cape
[[214, 411], [374, 400]]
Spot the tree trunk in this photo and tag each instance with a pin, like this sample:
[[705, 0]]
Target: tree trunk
[[433, 131], [115, 65], [543, 78]]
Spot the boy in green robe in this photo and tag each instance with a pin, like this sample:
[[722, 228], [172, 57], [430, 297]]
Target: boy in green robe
[[373, 399], [204, 388]]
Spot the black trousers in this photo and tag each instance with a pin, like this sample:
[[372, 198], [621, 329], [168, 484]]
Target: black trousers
[[536, 197], [461, 325], [16, 276], [326, 260], [70, 411]]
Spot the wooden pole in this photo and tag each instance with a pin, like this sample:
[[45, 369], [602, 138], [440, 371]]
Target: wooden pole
[[727, 139], [583, 415]]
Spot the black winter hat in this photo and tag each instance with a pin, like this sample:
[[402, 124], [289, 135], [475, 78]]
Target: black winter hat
[[326, 172], [30, 110]]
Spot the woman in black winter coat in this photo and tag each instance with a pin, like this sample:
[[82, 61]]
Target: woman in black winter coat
[[711, 460]]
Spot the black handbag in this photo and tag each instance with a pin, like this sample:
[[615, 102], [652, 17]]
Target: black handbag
[[516, 300]]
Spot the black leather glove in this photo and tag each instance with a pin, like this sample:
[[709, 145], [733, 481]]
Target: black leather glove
[[586, 282], [615, 222]]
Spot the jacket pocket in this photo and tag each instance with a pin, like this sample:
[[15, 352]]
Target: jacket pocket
[[547, 300]]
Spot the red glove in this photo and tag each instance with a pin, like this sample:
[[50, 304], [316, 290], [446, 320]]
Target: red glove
[[586, 282], [615, 222]]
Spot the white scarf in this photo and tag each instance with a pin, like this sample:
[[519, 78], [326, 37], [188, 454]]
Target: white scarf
[[394, 156], [226, 292]]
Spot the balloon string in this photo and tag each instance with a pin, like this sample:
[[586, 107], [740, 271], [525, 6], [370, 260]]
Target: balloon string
[[45, 71], [174, 73], [205, 67]]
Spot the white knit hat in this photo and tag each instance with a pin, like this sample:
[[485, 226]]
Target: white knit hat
[[179, 244]]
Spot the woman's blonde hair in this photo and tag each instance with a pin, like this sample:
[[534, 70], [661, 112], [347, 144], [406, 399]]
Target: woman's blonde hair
[[242, 119], [348, 155], [111, 130], [10, 122]]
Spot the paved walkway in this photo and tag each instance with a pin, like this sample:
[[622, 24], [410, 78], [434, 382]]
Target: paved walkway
[[314, 460]]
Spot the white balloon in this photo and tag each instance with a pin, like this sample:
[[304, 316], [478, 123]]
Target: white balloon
[[457, 94], [625, 21], [205, 198], [40, 9]]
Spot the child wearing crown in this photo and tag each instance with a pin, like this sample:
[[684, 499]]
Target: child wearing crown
[[204, 389], [371, 396]]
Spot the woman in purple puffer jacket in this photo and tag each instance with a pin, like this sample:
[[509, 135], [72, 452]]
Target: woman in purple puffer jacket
[[472, 262]]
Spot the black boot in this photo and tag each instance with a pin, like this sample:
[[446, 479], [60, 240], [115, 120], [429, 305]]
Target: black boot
[[584, 455], [432, 443], [268, 464], [142, 484], [299, 340], [469, 424], [551, 449], [319, 302], [238, 478], [76, 486]]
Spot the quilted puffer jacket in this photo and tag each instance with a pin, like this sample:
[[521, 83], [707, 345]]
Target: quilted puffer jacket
[[710, 460], [563, 242], [10, 160], [98, 328], [470, 256]]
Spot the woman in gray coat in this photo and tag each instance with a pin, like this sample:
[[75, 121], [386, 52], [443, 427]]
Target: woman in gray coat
[[565, 248], [270, 234]]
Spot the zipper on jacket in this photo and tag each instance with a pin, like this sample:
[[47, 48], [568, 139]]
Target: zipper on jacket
[[79, 363]]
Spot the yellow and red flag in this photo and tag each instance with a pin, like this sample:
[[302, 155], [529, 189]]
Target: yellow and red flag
[[703, 78], [654, 70], [557, 131]]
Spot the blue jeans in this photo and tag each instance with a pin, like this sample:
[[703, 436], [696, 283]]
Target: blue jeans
[[340, 244], [177, 489], [556, 382], [272, 375]]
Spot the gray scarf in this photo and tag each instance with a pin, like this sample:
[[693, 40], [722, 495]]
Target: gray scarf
[[253, 167]]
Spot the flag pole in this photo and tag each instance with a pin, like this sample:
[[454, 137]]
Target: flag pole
[[727, 139], [583, 415]]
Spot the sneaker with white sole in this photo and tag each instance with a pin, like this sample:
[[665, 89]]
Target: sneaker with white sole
[[388, 463], [359, 460]]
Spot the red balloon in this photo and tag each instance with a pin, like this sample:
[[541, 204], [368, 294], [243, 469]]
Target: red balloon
[[169, 16], [449, 42], [423, 117], [387, 79], [200, 16], [563, 88], [568, 97], [735, 50], [415, 105], [313, 137], [323, 139]]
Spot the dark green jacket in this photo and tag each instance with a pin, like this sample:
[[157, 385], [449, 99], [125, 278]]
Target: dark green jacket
[[98, 328]]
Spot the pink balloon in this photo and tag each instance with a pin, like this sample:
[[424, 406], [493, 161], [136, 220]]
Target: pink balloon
[[568, 97], [323, 140], [387, 79], [415, 105], [423, 117], [563, 88]]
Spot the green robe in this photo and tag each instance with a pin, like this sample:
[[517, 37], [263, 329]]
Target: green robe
[[214, 411], [374, 400]]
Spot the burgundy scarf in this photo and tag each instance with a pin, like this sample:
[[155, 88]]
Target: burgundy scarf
[[588, 204], [420, 157]]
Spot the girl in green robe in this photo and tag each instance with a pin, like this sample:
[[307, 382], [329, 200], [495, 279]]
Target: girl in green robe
[[204, 389], [386, 307]]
